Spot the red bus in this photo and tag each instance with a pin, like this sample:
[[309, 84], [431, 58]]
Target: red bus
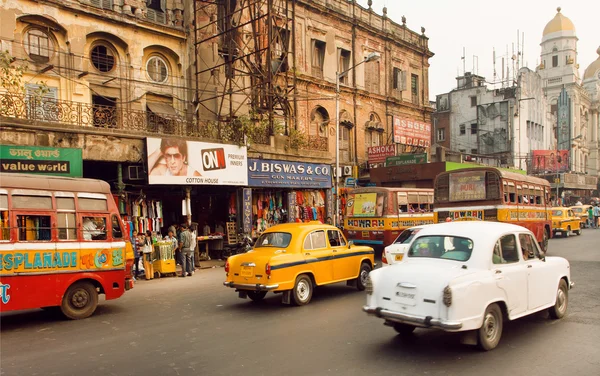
[[62, 243]]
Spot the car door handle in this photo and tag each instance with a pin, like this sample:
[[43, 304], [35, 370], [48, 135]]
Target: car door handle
[[529, 266], [307, 254], [498, 271], [335, 250]]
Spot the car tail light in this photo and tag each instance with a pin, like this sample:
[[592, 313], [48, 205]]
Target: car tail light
[[268, 269], [383, 258], [227, 267], [369, 286], [447, 296]]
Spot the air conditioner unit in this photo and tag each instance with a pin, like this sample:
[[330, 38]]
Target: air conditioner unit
[[135, 173], [334, 172], [347, 170]]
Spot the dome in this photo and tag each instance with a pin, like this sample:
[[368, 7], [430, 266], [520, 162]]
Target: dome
[[593, 68], [559, 23]]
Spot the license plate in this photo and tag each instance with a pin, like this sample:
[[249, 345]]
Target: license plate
[[365, 234], [406, 298], [247, 271], [399, 257]]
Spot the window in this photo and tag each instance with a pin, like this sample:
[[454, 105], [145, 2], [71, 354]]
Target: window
[[4, 218], [94, 228], [157, 69], [33, 227], [117, 229], [104, 4], [315, 240], [406, 236], [441, 134], [555, 61], [398, 79], [344, 65], [39, 46], [32, 202], [442, 247], [473, 101], [529, 248], [103, 58], [319, 122], [281, 49], [318, 58], [42, 107], [414, 88], [373, 138], [462, 129], [372, 76], [336, 239], [274, 239], [66, 218], [474, 128], [473, 151], [344, 144], [505, 250], [92, 204], [155, 11]]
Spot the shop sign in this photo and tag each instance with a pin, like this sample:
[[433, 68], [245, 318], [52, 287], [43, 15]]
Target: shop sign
[[406, 159], [350, 182], [41, 160], [378, 154], [550, 161], [285, 174], [467, 186], [176, 161], [247, 203], [411, 132]]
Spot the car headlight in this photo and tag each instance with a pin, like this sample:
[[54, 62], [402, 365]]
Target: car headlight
[[369, 286]]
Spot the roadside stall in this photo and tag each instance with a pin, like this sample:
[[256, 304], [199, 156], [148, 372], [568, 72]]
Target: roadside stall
[[164, 258]]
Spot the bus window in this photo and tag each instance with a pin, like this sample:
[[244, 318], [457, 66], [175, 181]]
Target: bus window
[[512, 193], [538, 196], [505, 190], [94, 228], [32, 227], [519, 194], [117, 231], [92, 204], [4, 218], [31, 202], [66, 218]]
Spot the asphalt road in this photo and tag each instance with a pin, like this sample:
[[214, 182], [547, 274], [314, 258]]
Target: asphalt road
[[195, 326]]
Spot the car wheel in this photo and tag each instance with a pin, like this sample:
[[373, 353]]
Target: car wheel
[[559, 309], [491, 331], [361, 281], [257, 296], [80, 301], [568, 232], [404, 329], [303, 290], [578, 232]]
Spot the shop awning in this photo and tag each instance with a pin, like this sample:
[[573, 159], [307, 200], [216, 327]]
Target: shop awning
[[161, 108]]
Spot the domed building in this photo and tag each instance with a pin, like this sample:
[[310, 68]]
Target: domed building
[[576, 111]]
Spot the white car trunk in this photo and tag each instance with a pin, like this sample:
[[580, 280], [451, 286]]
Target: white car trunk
[[416, 286]]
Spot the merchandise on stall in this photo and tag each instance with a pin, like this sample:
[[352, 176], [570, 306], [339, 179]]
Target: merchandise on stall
[[268, 209], [146, 215], [310, 206]]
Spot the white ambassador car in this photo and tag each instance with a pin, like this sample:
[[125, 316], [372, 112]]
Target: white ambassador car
[[396, 251], [469, 276]]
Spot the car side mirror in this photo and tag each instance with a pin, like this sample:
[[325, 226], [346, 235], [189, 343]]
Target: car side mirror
[[542, 256], [350, 244]]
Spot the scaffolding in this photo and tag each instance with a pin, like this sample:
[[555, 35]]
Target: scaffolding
[[243, 51]]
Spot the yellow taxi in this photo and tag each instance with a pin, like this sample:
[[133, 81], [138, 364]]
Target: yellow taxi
[[293, 258], [581, 211], [564, 221]]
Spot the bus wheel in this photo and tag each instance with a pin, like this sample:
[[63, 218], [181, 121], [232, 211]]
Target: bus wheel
[[80, 301]]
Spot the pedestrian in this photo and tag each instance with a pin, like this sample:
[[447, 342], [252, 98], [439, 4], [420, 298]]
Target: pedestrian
[[136, 254], [590, 217], [194, 231], [173, 240], [185, 244], [147, 254], [596, 215]]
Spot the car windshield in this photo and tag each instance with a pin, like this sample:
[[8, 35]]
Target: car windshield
[[274, 239], [557, 213], [406, 236], [442, 247], [578, 210]]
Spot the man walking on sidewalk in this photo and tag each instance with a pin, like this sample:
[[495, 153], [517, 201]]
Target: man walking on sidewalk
[[596, 215], [185, 244]]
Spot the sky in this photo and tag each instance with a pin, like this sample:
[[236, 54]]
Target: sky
[[480, 26]]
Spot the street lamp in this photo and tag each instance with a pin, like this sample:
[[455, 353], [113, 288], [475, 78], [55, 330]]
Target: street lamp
[[370, 57], [557, 181]]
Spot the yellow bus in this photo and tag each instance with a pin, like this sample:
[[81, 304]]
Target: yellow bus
[[491, 194], [377, 215]]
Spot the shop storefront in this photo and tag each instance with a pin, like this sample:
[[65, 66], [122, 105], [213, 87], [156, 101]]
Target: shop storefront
[[283, 191], [572, 188]]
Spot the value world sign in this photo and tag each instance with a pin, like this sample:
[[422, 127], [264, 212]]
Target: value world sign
[[41, 160]]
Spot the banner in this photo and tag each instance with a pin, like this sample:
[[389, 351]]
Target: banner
[[411, 132], [286, 174], [365, 205], [41, 160], [467, 186], [550, 161], [378, 154], [406, 159], [176, 161]]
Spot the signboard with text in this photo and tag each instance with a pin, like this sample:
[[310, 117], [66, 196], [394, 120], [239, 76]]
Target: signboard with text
[[412, 132], [467, 186], [247, 203], [550, 161], [378, 154], [286, 174], [176, 161], [41, 160], [406, 159]]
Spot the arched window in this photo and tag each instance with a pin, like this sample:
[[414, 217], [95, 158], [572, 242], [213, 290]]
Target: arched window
[[157, 69], [319, 122], [39, 45], [103, 58], [373, 131]]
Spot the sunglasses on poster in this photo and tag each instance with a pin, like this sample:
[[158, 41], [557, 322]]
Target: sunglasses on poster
[[173, 156]]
